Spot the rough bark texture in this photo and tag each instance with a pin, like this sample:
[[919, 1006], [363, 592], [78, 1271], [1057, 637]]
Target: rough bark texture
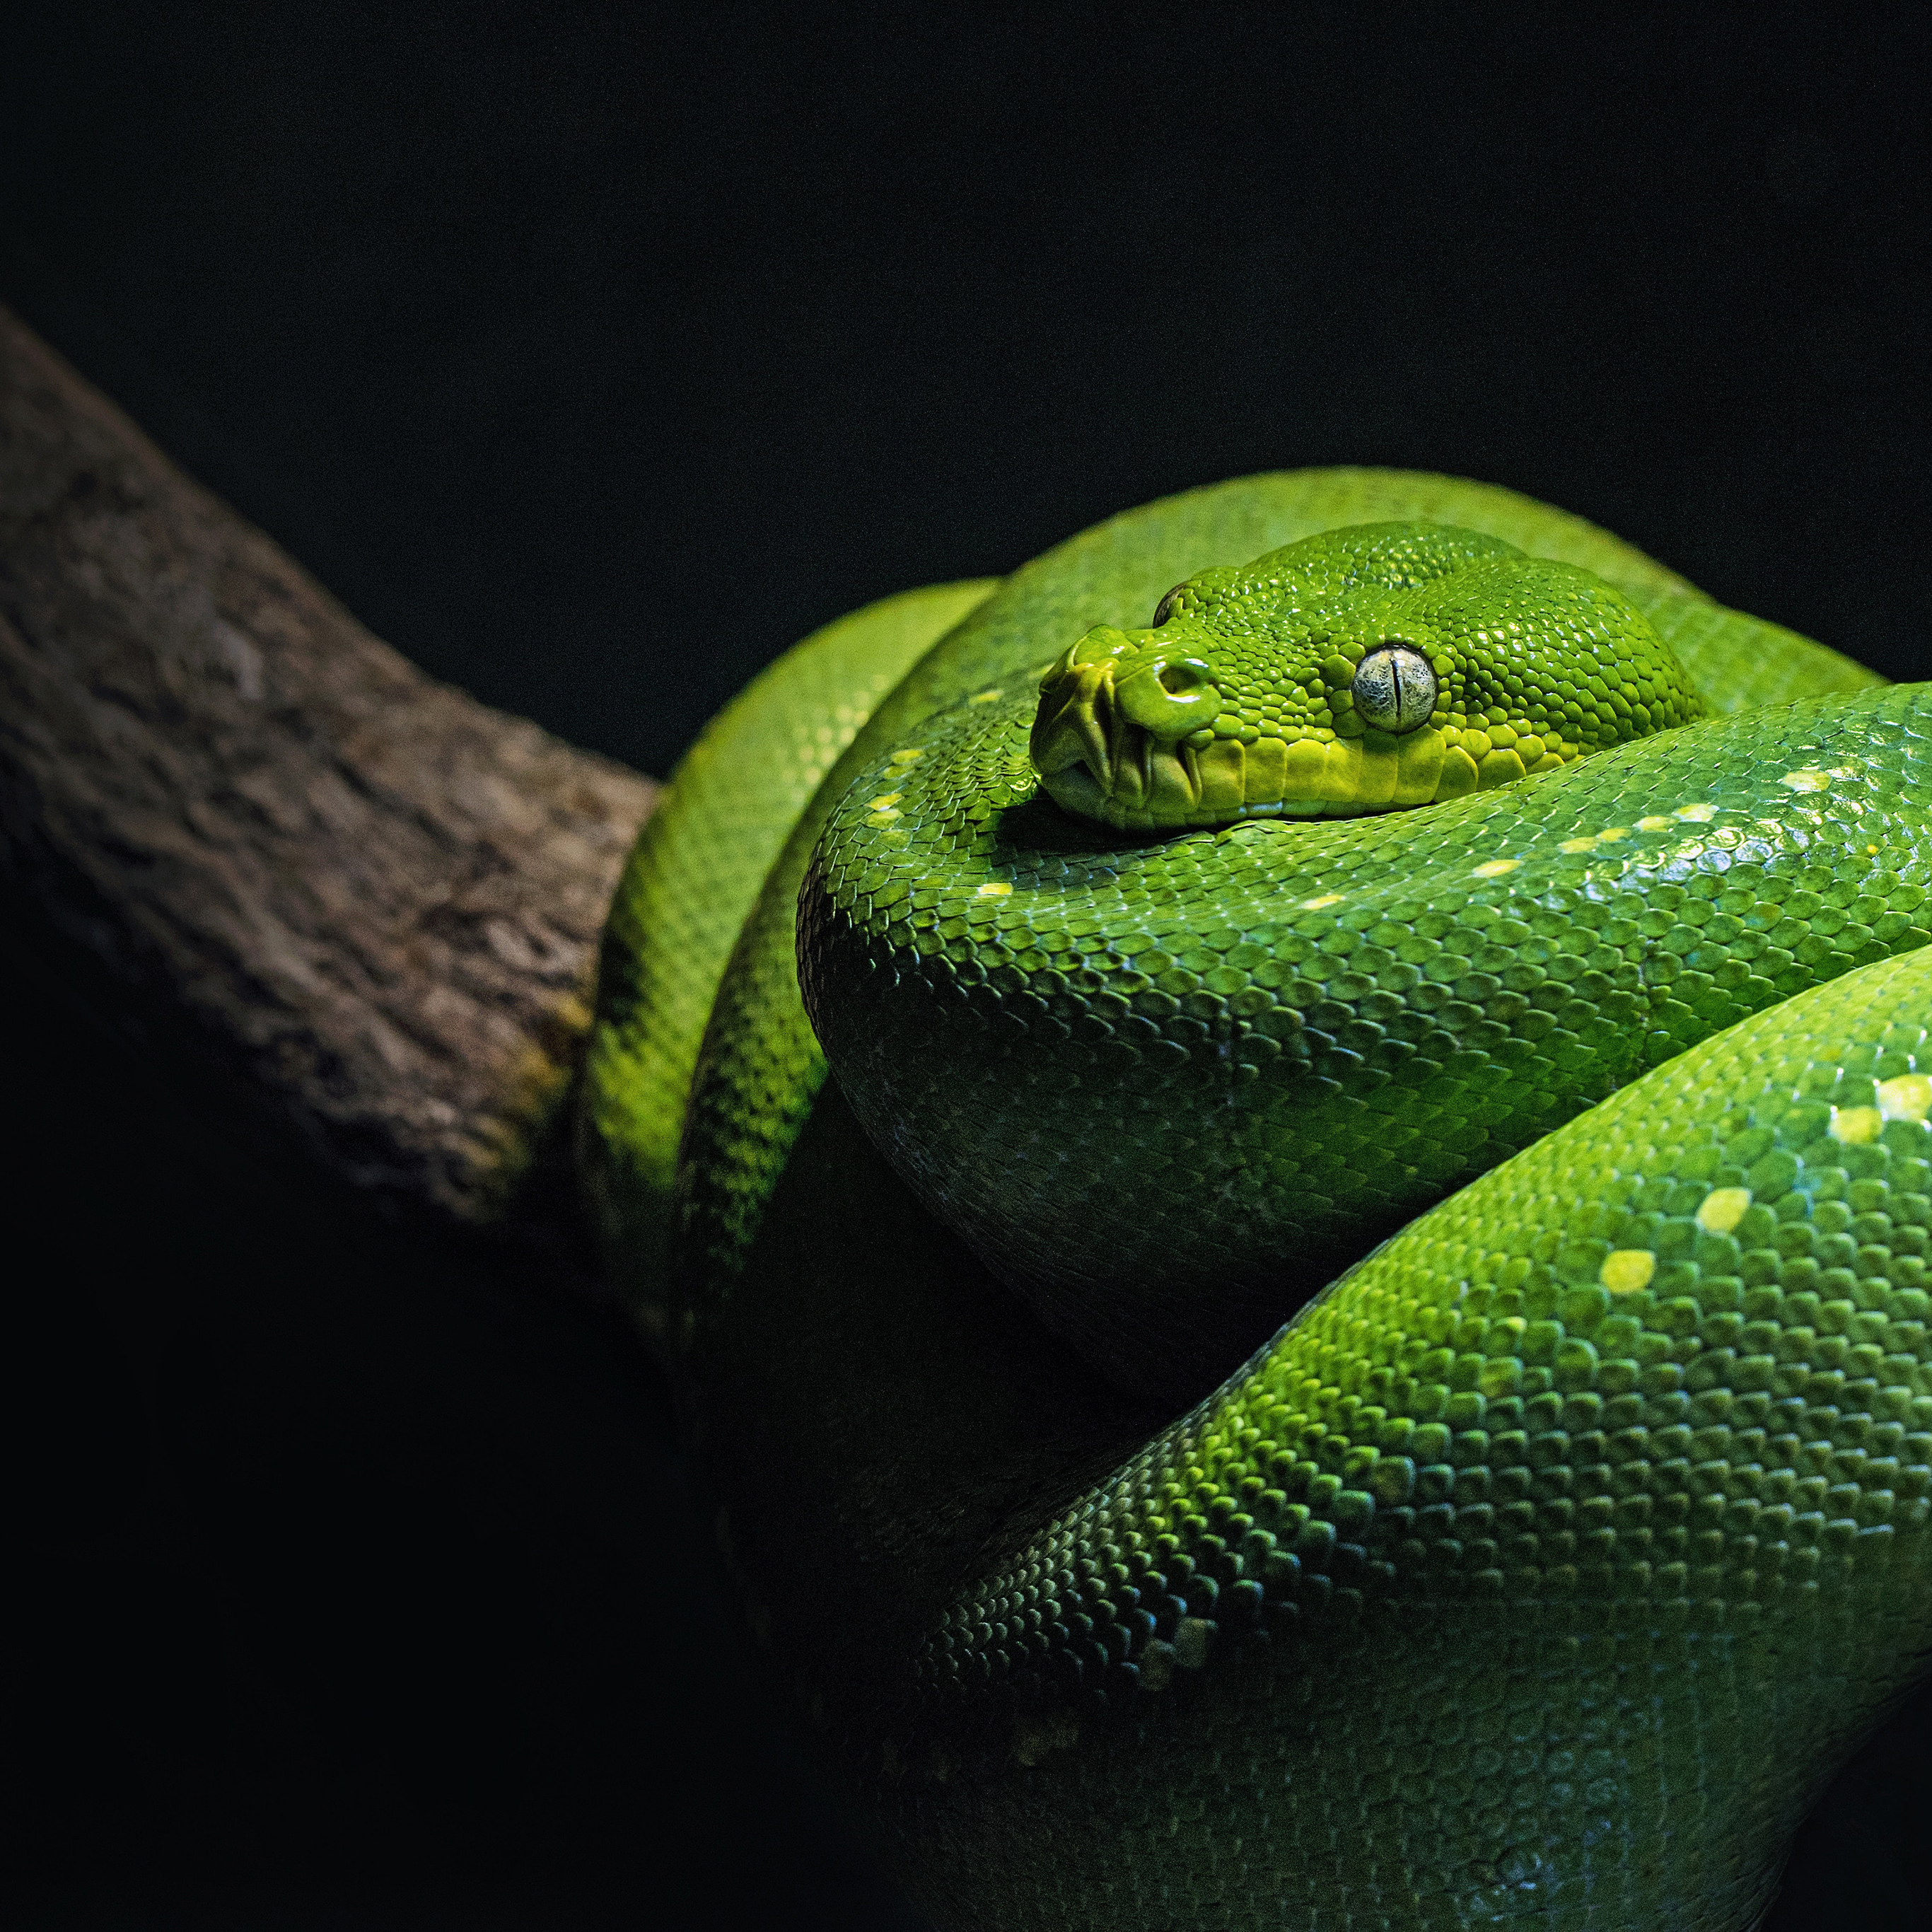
[[368, 900]]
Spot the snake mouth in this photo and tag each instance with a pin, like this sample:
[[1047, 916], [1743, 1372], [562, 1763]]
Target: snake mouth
[[1143, 783], [1126, 735], [1119, 735]]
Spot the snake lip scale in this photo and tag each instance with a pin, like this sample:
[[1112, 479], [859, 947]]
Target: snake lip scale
[[1285, 1164]]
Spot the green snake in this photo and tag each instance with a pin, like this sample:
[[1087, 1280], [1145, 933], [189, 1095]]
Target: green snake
[[1367, 902]]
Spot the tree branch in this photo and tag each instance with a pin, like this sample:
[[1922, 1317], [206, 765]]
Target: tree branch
[[366, 901]]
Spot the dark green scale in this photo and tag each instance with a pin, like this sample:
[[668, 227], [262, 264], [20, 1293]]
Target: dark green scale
[[761, 1066], [1532, 1575], [1169, 1088], [1543, 1567]]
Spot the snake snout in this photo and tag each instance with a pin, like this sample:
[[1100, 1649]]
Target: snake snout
[[1113, 710], [1166, 695]]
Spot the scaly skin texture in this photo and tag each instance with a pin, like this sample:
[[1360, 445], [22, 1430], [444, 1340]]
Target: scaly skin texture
[[1537, 1575], [1244, 697], [703, 853], [1540, 1570], [1137, 1077], [761, 1067]]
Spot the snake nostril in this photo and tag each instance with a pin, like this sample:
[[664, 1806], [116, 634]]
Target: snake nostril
[[1169, 697]]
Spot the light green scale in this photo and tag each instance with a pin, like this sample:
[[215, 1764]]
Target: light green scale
[[1246, 697], [1543, 1567]]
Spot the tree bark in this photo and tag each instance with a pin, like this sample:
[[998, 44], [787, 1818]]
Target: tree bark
[[367, 905]]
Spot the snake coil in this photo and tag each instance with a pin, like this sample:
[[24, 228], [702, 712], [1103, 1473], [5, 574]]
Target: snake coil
[[1543, 1566]]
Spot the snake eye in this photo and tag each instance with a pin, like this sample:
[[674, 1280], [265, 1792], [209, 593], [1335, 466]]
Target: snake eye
[[1164, 609], [1394, 689]]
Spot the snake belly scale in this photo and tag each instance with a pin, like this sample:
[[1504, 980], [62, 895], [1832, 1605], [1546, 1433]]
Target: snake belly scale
[[1552, 1057]]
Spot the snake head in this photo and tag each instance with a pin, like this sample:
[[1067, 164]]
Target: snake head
[[1366, 669], [1116, 710]]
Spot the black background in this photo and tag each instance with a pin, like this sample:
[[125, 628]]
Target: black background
[[591, 355]]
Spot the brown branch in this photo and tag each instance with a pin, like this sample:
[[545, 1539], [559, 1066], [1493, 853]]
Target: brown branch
[[364, 899]]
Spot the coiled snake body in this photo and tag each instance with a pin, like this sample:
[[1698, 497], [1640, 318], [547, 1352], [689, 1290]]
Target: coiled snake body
[[1466, 884]]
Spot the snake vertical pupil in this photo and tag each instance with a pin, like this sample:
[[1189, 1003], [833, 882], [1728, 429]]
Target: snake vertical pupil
[[1394, 689]]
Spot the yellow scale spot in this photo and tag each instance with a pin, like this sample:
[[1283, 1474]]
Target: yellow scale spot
[[883, 800], [1907, 1098], [1856, 1126], [983, 697], [996, 888], [1702, 813], [1495, 868], [1809, 779], [1608, 836], [907, 757], [1652, 822], [1724, 1208], [1326, 899], [1626, 1270]]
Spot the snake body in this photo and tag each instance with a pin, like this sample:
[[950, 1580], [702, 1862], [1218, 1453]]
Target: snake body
[[1547, 1562]]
